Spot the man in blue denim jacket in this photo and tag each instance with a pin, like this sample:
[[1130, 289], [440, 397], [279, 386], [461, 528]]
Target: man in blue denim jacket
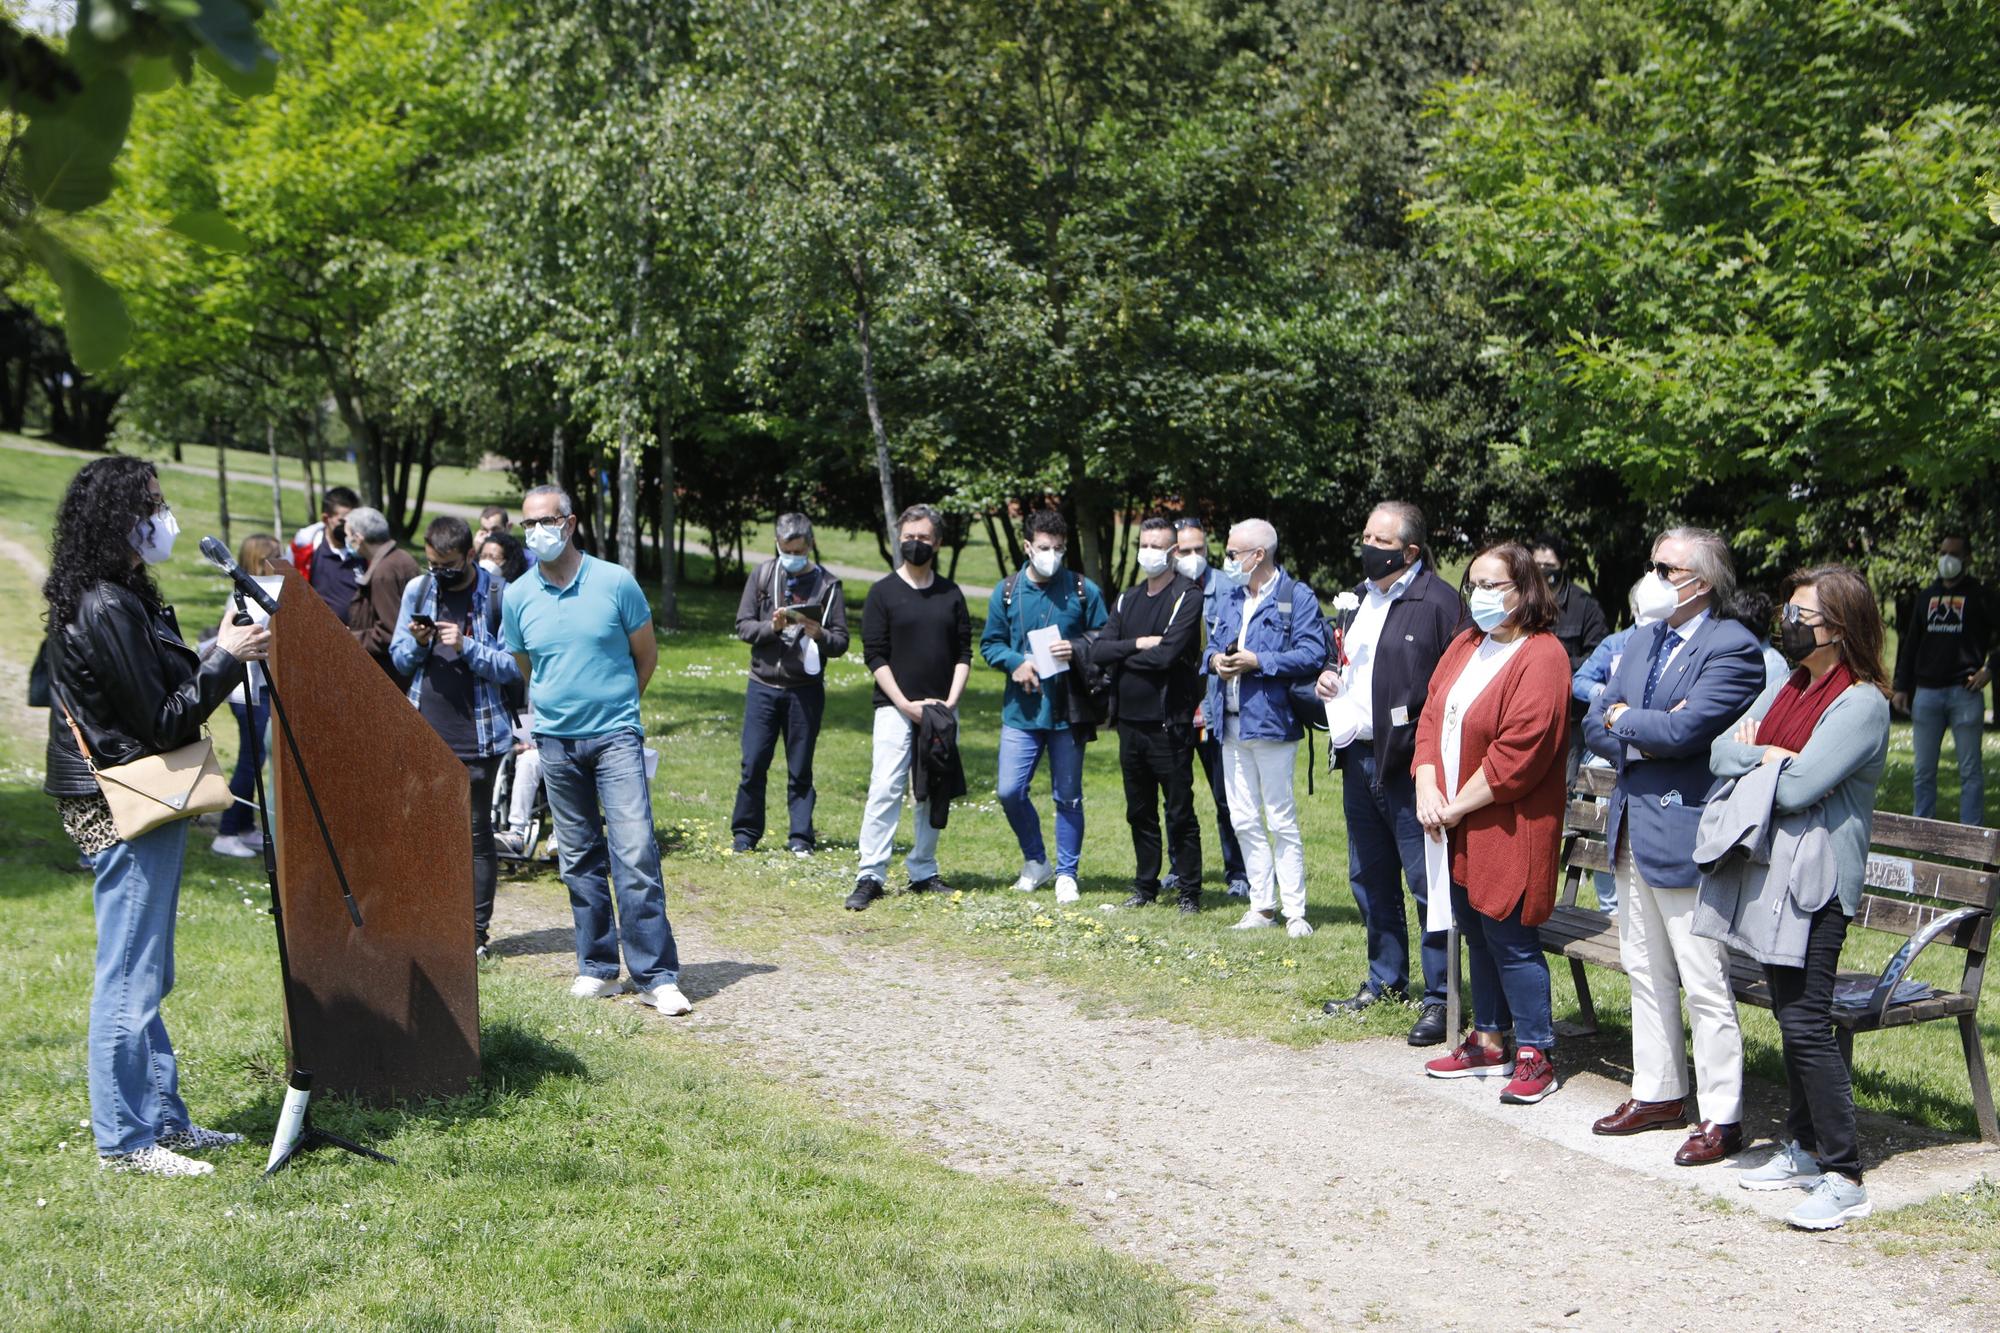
[[447, 641], [1268, 636]]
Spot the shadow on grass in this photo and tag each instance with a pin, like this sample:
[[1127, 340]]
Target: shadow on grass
[[698, 981], [36, 856]]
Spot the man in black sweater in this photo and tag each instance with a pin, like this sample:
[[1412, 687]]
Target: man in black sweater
[[1580, 627], [916, 637], [793, 615], [1944, 660], [1152, 646]]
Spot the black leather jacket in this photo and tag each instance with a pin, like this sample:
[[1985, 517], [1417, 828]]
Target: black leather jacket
[[134, 686]]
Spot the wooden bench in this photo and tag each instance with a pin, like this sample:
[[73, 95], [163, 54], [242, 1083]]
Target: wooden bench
[[1929, 882]]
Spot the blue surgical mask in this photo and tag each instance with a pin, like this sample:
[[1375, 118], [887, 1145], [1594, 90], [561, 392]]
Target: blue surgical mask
[[1233, 573], [792, 564], [1488, 607]]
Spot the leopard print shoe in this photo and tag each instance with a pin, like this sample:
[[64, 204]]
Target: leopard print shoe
[[196, 1139]]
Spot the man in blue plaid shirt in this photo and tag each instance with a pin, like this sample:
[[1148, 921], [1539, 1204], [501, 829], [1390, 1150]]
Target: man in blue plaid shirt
[[448, 642]]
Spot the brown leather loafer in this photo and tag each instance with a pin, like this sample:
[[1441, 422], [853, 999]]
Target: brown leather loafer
[[1634, 1116], [1710, 1142]]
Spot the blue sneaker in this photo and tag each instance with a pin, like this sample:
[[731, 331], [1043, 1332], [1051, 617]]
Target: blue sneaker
[[1789, 1168], [1833, 1202]]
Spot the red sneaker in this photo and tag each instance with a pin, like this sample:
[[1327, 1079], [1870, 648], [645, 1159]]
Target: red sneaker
[[1534, 1078], [1470, 1060]]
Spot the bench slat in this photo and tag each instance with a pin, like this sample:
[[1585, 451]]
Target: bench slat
[[1898, 916], [1937, 837]]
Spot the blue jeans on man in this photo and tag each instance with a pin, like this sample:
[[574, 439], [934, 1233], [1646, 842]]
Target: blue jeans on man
[[603, 812], [1508, 973], [134, 1083], [1964, 712], [1210, 751], [1385, 843], [770, 713], [1020, 752]]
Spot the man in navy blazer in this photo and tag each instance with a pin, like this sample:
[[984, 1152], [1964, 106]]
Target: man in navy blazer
[[1680, 684]]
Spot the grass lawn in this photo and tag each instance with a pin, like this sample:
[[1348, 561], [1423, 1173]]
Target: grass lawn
[[606, 1172]]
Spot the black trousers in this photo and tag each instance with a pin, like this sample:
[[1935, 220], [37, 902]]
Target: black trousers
[[769, 713], [1210, 751], [485, 856], [1158, 762], [1822, 1114]]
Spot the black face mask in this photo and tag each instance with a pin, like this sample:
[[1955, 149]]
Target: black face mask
[[1377, 563], [452, 577], [1798, 640], [917, 551]]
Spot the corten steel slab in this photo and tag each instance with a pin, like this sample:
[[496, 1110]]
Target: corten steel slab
[[391, 1009]]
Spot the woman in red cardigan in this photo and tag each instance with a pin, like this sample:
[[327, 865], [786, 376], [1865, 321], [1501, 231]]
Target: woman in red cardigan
[[1489, 772]]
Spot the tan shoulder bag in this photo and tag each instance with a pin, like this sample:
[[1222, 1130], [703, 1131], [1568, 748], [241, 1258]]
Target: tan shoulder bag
[[158, 788]]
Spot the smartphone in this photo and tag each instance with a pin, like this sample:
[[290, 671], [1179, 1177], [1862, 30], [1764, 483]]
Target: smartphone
[[423, 623]]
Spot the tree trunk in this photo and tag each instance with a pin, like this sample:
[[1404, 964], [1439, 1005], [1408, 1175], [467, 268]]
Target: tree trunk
[[319, 452], [277, 489], [628, 430], [222, 484], [670, 604], [306, 466], [556, 456], [884, 469], [424, 475]]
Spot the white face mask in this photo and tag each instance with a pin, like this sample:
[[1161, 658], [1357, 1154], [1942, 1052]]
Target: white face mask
[[493, 567], [546, 542], [1045, 561], [1152, 561], [1194, 564], [1658, 598], [153, 538], [1950, 567]]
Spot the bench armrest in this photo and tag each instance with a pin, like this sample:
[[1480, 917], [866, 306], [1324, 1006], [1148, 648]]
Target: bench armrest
[[1878, 1000]]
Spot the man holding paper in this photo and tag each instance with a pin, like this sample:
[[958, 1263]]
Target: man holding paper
[[794, 617], [1034, 621], [1388, 642]]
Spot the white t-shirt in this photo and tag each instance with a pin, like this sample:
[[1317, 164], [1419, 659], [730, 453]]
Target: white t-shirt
[[1351, 717], [1233, 689], [1486, 662]]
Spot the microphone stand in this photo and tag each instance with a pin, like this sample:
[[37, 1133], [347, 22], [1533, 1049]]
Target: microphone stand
[[296, 1132]]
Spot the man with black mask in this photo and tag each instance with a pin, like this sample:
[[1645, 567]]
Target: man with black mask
[[1947, 653], [1580, 626], [916, 637], [448, 642], [1390, 632]]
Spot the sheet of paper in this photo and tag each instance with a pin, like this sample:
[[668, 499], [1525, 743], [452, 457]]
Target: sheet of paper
[[652, 761], [1437, 879], [1041, 643], [274, 584], [810, 657]]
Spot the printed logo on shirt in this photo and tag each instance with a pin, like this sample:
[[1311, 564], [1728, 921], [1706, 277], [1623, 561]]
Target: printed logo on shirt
[[1947, 614]]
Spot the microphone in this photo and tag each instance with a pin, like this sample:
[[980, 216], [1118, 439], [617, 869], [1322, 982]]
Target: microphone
[[218, 555]]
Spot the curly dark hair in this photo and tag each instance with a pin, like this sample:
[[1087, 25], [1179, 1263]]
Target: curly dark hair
[[106, 499]]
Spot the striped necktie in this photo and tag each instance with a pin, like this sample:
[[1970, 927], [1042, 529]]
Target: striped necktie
[[1667, 646]]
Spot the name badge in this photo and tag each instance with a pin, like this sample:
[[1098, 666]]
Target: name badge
[[1399, 716]]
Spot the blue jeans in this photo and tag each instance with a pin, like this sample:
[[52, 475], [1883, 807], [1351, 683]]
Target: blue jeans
[[581, 775], [769, 713], [1509, 974], [134, 1084], [1020, 752], [1964, 711], [1384, 840], [241, 818], [1210, 751]]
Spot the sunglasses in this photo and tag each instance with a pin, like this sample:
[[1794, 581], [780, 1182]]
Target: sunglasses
[[1667, 571]]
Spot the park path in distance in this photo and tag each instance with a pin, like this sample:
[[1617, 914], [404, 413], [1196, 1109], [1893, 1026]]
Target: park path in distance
[[1311, 1188]]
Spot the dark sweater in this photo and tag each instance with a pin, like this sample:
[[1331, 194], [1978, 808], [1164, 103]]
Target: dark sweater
[[779, 659], [1163, 681], [1948, 634], [920, 634]]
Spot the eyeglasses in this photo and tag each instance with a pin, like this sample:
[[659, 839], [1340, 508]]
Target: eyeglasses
[[1794, 614], [1238, 555], [552, 521], [1182, 524], [1490, 585], [1667, 571], [1549, 571], [447, 571]]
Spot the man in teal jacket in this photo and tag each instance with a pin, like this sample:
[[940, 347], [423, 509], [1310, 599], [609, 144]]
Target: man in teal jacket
[[1036, 713]]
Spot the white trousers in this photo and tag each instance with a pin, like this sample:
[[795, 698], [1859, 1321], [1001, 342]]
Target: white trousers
[[1663, 956], [888, 779], [1258, 778]]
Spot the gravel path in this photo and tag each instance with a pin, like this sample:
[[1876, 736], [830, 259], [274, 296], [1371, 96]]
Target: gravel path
[[1323, 1188]]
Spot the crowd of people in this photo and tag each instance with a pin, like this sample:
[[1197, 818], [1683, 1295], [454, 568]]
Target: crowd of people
[[1457, 715]]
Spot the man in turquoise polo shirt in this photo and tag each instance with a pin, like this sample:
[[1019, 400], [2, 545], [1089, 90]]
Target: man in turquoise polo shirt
[[583, 635], [1035, 714]]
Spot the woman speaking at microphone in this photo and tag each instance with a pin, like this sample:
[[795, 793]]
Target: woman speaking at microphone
[[1490, 767], [129, 685]]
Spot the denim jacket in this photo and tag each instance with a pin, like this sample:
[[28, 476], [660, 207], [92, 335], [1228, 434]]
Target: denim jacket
[[1286, 653], [493, 667]]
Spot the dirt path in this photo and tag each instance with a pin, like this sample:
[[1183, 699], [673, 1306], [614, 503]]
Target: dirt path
[[15, 715], [1325, 1188]]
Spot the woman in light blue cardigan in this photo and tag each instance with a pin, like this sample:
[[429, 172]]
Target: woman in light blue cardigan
[[1829, 725]]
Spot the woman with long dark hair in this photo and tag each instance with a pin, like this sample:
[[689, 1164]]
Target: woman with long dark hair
[[133, 687], [1828, 724]]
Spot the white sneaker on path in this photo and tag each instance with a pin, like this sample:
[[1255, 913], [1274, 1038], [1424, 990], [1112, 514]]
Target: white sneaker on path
[[1034, 874]]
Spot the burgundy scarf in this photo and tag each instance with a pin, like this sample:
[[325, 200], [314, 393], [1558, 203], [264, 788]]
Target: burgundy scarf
[[1796, 710]]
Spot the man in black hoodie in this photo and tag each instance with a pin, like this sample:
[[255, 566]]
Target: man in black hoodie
[[1943, 662], [794, 617]]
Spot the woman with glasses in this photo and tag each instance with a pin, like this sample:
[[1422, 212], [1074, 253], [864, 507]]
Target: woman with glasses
[[133, 688], [1828, 724], [1490, 782]]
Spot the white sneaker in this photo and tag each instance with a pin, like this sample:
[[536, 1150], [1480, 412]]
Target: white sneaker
[[1298, 927], [1831, 1202], [1066, 891], [231, 845], [667, 998], [153, 1160], [1255, 920], [1034, 874], [253, 839], [1789, 1168], [590, 988]]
